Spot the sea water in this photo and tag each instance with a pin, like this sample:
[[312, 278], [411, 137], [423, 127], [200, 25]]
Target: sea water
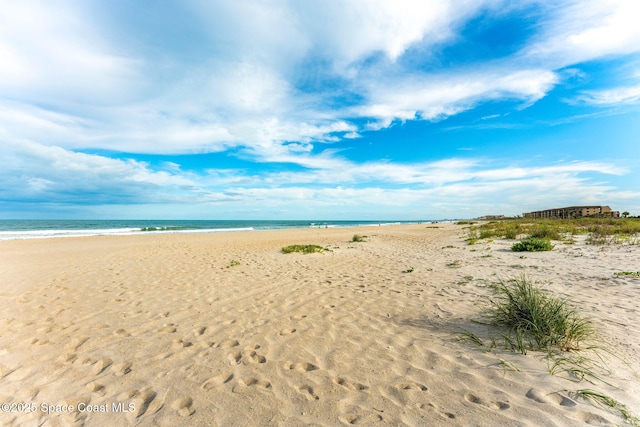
[[31, 229]]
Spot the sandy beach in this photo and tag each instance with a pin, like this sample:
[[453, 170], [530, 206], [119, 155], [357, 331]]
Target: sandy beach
[[225, 329]]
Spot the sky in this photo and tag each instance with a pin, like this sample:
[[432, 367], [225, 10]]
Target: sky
[[317, 109]]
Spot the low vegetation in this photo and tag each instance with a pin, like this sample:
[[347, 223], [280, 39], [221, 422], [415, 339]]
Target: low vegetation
[[607, 401], [627, 273], [532, 244], [600, 231], [536, 320], [305, 249], [358, 238]]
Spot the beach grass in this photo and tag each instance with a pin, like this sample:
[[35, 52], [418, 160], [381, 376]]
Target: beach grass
[[305, 249], [539, 321], [533, 244], [627, 274], [536, 319], [358, 238], [607, 401], [600, 231]]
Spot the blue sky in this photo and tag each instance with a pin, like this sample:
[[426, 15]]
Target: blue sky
[[317, 109]]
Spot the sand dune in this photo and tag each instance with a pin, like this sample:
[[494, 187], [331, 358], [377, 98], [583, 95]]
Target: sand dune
[[165, 330]]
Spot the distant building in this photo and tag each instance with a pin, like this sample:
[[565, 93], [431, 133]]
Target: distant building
[[491, 217], [574, 212]]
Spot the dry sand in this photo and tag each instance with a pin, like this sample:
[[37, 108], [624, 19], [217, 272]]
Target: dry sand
[[164, 326]]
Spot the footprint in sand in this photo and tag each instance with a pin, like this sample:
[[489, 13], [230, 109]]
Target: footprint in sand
[[286, 332], [101, 365], [538, 396], [96, 388], [359, 419], [183, 406], [218, 380], [142, 401], [411, 386], [75, 417], [432, 407], [76, 343], [32, 392], [181, 343], [255, 357], [169, 329], [5, 370], [301, 366], [307, 391], [472, 398], [234, 358], [595, 420], [121, 333], [249, 382], [122, 368], [228, 344], [206, 344], [349, 385], [67, 358]]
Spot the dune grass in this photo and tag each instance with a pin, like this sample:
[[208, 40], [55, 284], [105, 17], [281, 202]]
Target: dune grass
[[599, 230], [627, 273], [608, 401], [305, 249], [533, 244], [537, 320]]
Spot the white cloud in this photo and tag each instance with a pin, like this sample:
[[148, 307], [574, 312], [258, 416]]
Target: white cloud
[[432, 97], [75, 82], [54, 176], [615, 96], [56, 50], [74, 79], [582, 30], [36, 172], [361, 28]]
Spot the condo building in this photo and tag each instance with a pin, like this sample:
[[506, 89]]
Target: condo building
[[574, 212]]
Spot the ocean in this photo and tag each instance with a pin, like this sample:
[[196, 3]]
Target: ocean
[[33, 229]]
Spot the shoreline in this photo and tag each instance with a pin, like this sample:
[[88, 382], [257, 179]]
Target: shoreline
[[366, 332], [187, 227]]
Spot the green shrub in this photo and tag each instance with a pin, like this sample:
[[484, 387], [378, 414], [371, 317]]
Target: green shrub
[[532, 244], [305, 249], [358, 238]]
